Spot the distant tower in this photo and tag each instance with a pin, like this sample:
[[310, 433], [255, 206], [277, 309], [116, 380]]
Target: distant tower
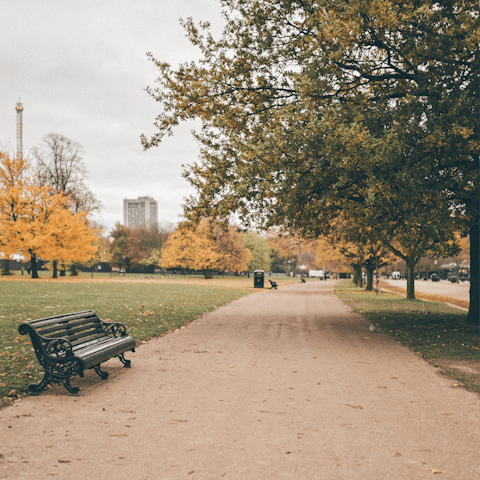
[[19, 109]]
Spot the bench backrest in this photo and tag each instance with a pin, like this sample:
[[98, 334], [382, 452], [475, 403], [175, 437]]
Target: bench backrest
[[77, 328]]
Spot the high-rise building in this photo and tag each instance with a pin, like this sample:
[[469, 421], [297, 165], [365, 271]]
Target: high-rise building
[[142, 212]]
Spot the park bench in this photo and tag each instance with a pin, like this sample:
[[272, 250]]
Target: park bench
[[302, 280], [273, 284], [67, 345]]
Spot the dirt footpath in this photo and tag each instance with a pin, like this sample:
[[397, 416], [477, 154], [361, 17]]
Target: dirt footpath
[[283, 384]]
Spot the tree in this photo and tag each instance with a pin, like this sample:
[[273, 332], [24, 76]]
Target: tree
[[192, 249], [261, 252], [274, 94], [12, 174], [34, 221], [59, 165], [141, 242], [103, 254], [119, 246], [234, 257], [205, 248]]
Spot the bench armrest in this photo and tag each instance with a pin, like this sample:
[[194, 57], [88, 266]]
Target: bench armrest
[[58, 348], [116, 329]]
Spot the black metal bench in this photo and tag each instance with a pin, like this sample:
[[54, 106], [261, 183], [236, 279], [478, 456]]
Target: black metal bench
[[302, 280], [273, 284], [67, 345]]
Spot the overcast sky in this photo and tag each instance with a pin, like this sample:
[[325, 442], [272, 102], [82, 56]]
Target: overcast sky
[[81, 70]]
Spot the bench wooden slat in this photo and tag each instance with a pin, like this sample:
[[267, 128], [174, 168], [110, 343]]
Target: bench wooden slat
[[68, 326], [60, 318], [87, 336], [72, 335]]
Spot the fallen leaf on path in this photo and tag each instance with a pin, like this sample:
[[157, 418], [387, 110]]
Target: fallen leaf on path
[[366, 338], [448, 413], [191, 472], [434, 471], [230, 366], [355, 406], [398, 454], [181, 421], [120, 435], [455, 384], [381, 387], [394, 378]]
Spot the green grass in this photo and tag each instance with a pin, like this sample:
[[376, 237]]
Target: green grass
[[146, 309], [434, 330]]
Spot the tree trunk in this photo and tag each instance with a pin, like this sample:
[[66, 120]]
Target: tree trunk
[[410, 277], [207, 274], [62, 273], [55, 269], [6, 270], [357, 275], [473, 317], [370, 270], [33, 264]]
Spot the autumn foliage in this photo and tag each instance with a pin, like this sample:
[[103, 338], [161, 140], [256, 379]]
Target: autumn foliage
[[36, 222], [205, 248]]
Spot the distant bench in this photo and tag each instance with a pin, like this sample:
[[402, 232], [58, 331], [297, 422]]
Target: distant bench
[[67, 345], [273, 284]]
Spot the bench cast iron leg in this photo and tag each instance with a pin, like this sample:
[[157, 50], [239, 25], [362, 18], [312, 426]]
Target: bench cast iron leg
[[36, 388], [103, 375], [73, 391], [125, 362]]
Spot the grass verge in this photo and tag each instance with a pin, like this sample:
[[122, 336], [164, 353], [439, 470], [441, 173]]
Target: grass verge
[[433, 330], [148, 310]]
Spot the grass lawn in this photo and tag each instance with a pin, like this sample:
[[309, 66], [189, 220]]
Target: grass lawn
[[433, 330], [147, 308]]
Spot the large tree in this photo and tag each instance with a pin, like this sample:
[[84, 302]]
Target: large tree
[[59, 165], [35, 221], [207, 247], [295, 89]]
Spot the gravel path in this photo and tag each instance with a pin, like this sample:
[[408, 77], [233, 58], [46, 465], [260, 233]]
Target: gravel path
[[283, 384]]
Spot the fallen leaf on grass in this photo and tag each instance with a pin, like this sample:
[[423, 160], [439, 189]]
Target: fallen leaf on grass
[[434, 471], [354, 406]]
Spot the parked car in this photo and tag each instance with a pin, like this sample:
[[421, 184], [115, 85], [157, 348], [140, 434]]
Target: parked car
[[434, 277]]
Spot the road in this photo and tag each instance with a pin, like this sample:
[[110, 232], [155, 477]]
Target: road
[[448, 289]]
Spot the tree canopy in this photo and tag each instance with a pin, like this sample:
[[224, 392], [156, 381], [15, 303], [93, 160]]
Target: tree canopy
[[35, 221], [311, 109]]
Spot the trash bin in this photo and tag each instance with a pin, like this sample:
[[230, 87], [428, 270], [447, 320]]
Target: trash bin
[[258, 278]]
